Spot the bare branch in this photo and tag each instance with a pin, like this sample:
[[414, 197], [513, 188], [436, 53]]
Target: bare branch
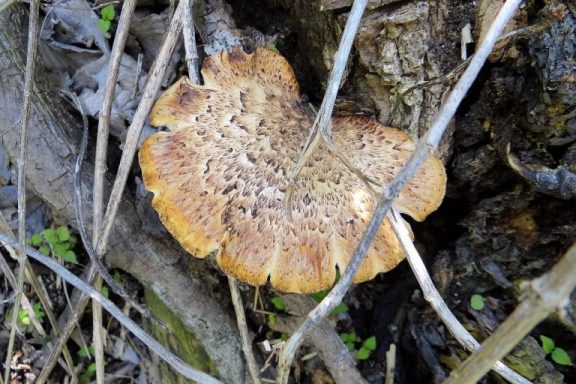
[[391, 191], [28, 83], [243, 328], [148, 97], [190, 43], [432, 295], [542, 296], [176, 363]]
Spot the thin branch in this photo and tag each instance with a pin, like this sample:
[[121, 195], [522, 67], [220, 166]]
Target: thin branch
[[28, 83], [105, 111], [148, 97], [190, 43], [390, 364], [243, 328], [323, 120], [391, 191], [100, 169], [432, 295], [174, 361], [542, 296]]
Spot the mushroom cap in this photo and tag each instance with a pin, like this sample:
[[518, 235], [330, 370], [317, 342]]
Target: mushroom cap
[[220, 175]]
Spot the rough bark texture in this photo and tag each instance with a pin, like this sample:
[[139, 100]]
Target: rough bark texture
[[54, 139]]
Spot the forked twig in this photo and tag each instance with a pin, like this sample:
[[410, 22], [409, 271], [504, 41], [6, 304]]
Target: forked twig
[[433, 297], [174, 361], [542, 296], [22, 157], [322, 123], [391, 191], [243, 328]]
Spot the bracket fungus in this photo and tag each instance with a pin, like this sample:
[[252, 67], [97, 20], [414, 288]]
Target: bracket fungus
[[220, 175]]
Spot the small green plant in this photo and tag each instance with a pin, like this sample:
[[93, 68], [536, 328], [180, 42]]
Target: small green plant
[[86, 352], [350, 339], [558, 355], [107, 15], [60, 240], [87, 375], [278, 303], [24, 318], [477, 302], [366, 347]]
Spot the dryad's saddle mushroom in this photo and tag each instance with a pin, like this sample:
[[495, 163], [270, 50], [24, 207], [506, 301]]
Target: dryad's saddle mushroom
[[219, 177]]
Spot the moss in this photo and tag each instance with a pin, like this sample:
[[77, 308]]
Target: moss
[[179, 340]]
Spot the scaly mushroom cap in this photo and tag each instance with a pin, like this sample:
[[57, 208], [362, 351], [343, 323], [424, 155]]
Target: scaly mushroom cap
[[220, 176]]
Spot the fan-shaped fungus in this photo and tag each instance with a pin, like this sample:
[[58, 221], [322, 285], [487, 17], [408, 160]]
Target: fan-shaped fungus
[[220, 175]]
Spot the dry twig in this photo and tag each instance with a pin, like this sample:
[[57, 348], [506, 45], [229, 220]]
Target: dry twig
[[179, 365], [432, 295], [148, 97], [190, 43], [28, 83], [243, 328], [542, 296], [100, 170], [389, 192]]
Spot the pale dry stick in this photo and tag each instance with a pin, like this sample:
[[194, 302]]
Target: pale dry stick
[[148, 97], [173, 360], [391, 191], [243, 328], [323, 120], [104, 116], [22, 157], [100, 169], [433, 297], [390, 364], [542, 296], [190, 43], [152, 87]]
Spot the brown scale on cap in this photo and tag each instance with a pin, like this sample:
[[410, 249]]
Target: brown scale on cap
[[220, 175]]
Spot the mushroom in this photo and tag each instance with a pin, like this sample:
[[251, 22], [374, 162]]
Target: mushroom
[[219, 177]]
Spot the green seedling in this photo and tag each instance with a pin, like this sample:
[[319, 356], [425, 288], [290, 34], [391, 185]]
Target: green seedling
[[278, 303], [24, 317], [86, 376], [350, 339], [86, 352], [58, 240], [366, 347], [107, 15], [477, 302], [558, 355]]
